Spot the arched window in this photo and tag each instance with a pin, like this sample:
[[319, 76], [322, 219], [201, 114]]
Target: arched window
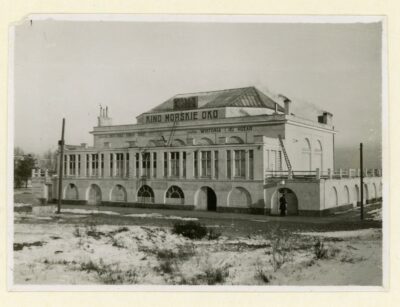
[[145, 194], [175, 192], [205, 141], [306, 154], [235, 140], [318, 155], [178, 142], [145, 191]]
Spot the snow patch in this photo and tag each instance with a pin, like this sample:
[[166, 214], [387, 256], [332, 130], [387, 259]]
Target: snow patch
[[85, 211], [18, 205], [160, 216], [343, 234], [376, 215]]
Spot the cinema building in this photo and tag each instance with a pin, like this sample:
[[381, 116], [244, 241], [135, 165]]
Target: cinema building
[[230, 151]]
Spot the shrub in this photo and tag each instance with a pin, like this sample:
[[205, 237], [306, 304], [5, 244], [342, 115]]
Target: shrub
[[119, 230], [92, 231], [185, 251], [92, 266], [20, 246], [166, 267], [165, 254], [109, 273], [261, 274], [213, 234], [281, 252], [116, 242], [190, 229], [188, 280], [114, 276], [77, 232], [216, 275], [320, 251]]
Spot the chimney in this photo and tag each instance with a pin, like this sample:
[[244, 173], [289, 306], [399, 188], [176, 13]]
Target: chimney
[[286, 102], [103, 119], [325, 118], [287, 106]]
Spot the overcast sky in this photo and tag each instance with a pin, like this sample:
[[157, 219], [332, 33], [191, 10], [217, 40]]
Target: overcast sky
[[67, 68]]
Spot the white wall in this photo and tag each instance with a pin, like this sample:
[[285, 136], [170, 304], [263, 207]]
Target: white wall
[[295, 137]]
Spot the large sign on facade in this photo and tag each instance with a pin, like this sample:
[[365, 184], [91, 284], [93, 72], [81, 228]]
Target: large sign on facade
[[182, 116]]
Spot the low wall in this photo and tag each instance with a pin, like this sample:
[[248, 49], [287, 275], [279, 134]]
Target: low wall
[[323, 196], [312, 196]]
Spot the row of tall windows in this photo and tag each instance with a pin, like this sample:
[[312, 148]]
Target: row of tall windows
[[174, 164], [145, 169], [119, 164], [73, 163], [236, 163], [202, 164]]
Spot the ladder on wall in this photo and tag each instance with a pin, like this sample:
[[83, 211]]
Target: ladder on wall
[[289, 166], [171, 135]]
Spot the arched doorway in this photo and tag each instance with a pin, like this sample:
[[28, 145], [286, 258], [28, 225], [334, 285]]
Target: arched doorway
[[366, 193], [94, 195], [357, 195], [346, 195], [333, 198], [71, 192], [206, 199], [375, 192], [291, 200], [118, 194], [239, 197]]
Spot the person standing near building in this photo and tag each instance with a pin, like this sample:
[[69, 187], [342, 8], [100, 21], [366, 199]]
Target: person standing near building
[[282, 204]]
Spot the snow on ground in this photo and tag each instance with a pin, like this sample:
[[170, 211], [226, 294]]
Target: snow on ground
[[344, 234], [87, 211], [54, 253], [160, 216], [376, 214], [140, 215], [19, 205]]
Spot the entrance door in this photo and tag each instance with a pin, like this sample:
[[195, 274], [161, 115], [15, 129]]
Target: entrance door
[[211, 200]]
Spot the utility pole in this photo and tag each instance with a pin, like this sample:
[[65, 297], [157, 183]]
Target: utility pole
[[60, 174], [361, 183]]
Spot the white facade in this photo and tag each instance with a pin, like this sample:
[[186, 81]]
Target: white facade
[[204, 151]]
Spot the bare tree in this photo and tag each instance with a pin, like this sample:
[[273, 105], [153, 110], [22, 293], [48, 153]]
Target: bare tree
[[48, 160]]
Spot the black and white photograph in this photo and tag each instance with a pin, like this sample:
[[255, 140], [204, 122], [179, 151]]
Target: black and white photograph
[[198, 152]]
